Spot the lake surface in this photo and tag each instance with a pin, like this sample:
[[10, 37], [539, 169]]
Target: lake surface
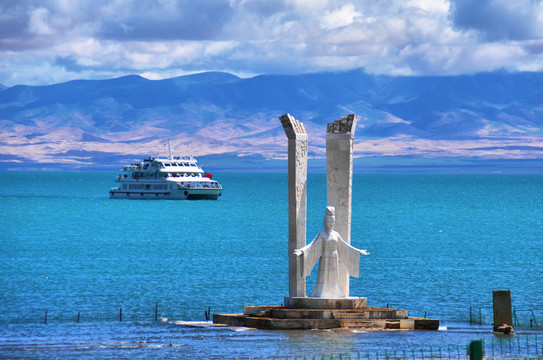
[[71, 260]]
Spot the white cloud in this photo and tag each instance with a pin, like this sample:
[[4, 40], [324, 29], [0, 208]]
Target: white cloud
[[38, 22], [431, 6], [62, 40], [339, 17]]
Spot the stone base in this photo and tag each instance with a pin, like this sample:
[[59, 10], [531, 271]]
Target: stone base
[[324, 303], [344, 313]]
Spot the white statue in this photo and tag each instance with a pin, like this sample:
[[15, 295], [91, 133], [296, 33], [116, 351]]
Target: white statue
[[330, 249]]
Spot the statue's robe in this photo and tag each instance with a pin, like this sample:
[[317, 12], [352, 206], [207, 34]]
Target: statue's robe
[[331, 251]]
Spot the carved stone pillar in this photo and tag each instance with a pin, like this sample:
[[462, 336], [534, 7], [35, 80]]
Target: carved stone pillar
[[339, 179], [297, 200]]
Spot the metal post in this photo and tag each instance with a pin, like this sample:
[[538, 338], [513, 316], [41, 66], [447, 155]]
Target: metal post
[[533, 315], [476, 350]]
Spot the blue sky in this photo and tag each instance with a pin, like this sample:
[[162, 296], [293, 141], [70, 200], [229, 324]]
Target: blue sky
[[51, 41]]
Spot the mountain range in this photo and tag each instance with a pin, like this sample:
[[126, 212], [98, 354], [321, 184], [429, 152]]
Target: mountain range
[[486, 121]]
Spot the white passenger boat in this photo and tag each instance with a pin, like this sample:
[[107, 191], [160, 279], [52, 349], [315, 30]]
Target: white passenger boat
[[172, 178]]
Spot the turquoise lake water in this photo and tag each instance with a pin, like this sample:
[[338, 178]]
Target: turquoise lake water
[[439, 245]]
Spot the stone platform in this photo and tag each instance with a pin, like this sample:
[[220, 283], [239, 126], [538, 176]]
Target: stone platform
[[324, 303], [304, 313]]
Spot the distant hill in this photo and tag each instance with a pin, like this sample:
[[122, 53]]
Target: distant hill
[[232, 122]]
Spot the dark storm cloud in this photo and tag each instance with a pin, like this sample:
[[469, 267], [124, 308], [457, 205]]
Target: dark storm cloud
[[13, 18], [182, 20], [497, 20], [33, 24]]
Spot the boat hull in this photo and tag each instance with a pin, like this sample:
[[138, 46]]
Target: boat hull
[[181, 194]]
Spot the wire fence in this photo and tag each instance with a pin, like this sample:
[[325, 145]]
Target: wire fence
[[522, 318], [482, 315], [518, 347], [154, 312]]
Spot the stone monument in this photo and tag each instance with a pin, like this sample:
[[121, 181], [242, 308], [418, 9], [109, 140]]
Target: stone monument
[[329, 305], [330, 250], [339, 179], [297, 200], [503, 316]]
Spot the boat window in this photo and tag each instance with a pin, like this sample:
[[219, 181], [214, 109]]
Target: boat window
[[136, 186]]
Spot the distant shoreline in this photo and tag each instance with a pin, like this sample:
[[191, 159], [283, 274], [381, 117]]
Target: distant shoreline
[[316, 166]]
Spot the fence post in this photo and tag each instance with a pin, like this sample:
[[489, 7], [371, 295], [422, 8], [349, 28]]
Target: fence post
[[45, 319], [533, 315], [515, 316], [121, 315], [476, 350]]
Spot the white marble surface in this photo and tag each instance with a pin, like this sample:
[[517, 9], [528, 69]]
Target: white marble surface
[[297, 198], [329, 249], [339, 170]]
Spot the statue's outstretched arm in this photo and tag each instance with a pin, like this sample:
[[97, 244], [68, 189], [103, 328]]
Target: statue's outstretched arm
[[310, 255], [300, 251], [362, 252]]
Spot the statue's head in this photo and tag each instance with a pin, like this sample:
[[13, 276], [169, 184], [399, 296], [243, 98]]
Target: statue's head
[[329, 217]]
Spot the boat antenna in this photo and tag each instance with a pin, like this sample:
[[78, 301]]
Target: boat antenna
[[170, 151]]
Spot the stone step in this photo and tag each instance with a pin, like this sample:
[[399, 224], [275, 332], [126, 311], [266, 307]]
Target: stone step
[[392, 324], [366, 313], [349, 323], [272, 323], [350, 315]]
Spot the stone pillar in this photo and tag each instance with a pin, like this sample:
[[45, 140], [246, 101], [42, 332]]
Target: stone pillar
[[501, 300], [297, 201], [339, 179]]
